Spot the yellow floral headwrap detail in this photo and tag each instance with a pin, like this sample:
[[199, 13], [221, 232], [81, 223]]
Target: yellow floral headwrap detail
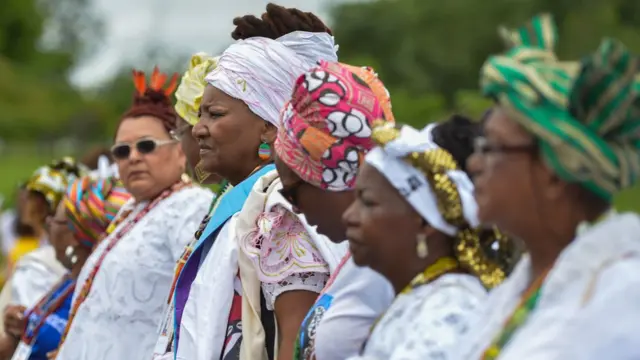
[[52, 180], [189, 93], [585, 115]]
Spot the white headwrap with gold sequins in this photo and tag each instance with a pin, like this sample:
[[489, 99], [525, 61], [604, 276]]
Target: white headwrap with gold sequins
[[412, 183]]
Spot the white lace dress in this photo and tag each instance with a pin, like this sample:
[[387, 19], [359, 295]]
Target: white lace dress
[[427, 322], [588, 307], [119, 318]]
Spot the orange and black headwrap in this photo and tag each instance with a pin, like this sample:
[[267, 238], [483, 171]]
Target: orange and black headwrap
[[154, 99]]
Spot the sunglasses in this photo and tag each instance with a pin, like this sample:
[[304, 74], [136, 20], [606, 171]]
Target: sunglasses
[[181, 131], [144, 147], [291, 193]]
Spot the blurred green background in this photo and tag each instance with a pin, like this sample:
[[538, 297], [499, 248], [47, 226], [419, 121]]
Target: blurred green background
[[427, 52]]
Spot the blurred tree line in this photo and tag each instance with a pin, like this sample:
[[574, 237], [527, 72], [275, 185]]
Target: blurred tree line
[[427, 52], [41, 42]]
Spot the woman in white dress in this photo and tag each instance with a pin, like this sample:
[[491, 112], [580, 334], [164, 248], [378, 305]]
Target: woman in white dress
[[233, 316], [414, 221], [38, 271], [331, 112], [561, 140], [121, 291]]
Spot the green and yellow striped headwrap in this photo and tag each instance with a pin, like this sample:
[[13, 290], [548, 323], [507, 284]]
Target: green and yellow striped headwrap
[[189, 93], [586, 115]]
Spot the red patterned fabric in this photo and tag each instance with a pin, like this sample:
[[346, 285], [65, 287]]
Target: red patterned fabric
[[326, 127]]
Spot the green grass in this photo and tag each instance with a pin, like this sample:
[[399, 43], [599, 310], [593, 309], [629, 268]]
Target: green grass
[[18, 165], [629, 200]]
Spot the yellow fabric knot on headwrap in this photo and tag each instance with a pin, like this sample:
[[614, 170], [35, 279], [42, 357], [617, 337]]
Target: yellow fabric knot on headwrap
[[52, 180], [189, 93], [584, 115]]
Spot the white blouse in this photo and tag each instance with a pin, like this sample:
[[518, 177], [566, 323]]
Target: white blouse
[[427, 322], [120, 316], [358, 297], [34, 275], [589, 304]]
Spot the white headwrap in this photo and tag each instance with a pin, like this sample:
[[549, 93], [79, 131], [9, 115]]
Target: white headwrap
[[413, 184], [262, 72], [105, 169]]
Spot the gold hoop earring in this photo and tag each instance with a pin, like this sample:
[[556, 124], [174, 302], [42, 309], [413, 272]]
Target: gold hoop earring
[[422, 250]]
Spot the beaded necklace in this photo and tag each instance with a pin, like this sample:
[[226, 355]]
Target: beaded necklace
[[440, 267], [86, 287], [528, 302], [47, 305], [165, 341], [224, 188]]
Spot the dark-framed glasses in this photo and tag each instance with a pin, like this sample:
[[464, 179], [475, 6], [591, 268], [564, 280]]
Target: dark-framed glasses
[[145, 146], [482, 146]]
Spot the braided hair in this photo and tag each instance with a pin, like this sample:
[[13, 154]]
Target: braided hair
[[276, 22], [153, 100]]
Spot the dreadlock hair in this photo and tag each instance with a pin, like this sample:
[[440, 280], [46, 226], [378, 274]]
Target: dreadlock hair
[[456, 135], [276, 22], [153, 100]]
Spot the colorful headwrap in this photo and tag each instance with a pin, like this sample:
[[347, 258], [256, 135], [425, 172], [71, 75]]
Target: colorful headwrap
[[191, 88], [105, 169], [261, 71], [431, 181], [52, 180], [584, 115], [91, 205], [326, 127]]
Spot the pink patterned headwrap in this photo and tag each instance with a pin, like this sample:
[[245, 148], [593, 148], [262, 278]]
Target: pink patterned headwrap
[[326, 127]]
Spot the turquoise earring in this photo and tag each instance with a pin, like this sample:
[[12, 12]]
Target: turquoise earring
[[264, 151]]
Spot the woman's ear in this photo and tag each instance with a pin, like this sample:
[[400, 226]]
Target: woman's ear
[[269, 133]]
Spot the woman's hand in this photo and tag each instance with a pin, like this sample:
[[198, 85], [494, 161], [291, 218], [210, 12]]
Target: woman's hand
[[14, 320], [51, 355], [8, 345]]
